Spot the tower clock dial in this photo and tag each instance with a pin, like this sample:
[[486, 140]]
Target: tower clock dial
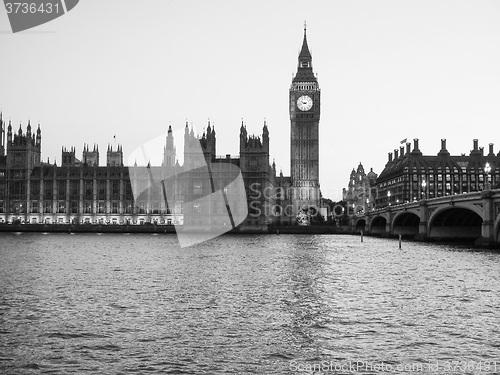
[[304, 103]]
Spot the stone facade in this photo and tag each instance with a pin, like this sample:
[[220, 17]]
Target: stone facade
[[84, 192], [410, 176], [361, 191]]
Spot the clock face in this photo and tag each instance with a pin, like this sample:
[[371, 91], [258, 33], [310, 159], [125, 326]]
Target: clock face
[[304, 103]]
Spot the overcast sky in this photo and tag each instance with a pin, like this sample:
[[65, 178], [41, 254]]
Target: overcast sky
[[388, 70]]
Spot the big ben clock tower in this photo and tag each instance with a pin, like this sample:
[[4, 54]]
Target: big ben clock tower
[[304, 119]]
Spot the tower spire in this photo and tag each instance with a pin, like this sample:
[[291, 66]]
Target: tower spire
[[304, 52], [304, 69]]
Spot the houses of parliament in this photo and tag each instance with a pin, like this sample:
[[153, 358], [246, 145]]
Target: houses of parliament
[[80, 191]]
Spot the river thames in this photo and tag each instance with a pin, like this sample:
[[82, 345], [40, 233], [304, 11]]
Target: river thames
[[247, 304]]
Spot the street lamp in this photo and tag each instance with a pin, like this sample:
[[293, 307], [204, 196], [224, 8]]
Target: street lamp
[[424, 184], [389, 197], [487, 169]]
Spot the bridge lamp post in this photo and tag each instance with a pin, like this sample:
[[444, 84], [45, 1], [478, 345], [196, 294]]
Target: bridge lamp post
[[424, 184], [487, 169], [389, 197]]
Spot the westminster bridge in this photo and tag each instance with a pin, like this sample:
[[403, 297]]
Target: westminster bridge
[[465, 216]]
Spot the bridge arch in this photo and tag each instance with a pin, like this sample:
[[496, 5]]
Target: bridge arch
[[360, 225], [406, 223], [456, 222], [378, 225]]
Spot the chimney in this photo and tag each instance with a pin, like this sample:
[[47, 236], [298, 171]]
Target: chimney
[[491, 153], [444, 151], [475, 145], [401, 151], [415, 144], [396, 154], [481, 149], [390, 156], [408, 147]]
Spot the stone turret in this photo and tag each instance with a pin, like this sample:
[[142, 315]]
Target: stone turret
[[68, 157], [2, 135], [9, 135], [254, 150], [208, 142], [114, 158], [23, 150], [169, 152], [90, 158], [193, 153]]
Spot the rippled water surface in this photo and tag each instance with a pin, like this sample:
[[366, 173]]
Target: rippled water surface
[[249, 304]]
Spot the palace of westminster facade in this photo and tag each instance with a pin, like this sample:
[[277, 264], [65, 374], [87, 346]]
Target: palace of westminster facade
[[82, 192]]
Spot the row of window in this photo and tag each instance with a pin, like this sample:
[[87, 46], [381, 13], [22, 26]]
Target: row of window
[[400, 194], [101, 221], [441, 177], [87, 207], [73, 174], [306, 86], [19, 189]]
